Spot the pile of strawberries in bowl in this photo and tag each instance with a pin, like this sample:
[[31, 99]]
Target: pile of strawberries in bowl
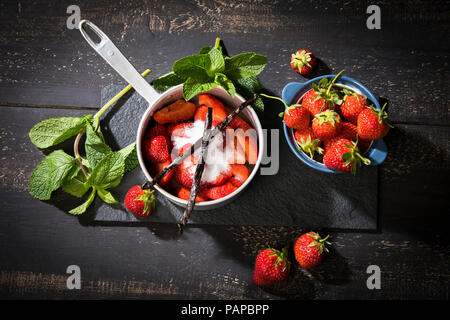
[[334, 126], [174, 129]]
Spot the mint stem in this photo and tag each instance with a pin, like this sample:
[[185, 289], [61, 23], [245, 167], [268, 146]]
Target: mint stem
[[216, 45]]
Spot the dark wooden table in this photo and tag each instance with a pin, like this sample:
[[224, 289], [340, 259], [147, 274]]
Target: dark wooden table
[[48, 70]]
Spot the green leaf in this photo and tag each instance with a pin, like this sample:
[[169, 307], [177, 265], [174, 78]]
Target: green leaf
[[77, 185], [244, 65], [50, 174], [215, 64], [107, 196], [207, 49], [83, 207], [247, 88], [53, 131], [225, 83], [130, 157], [96, 148], [167, 81], [194, 86], [191, 66], [108, 172]]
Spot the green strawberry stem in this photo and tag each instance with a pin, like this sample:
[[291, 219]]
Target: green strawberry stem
[[332, 82], [281, 114], [96, 120]]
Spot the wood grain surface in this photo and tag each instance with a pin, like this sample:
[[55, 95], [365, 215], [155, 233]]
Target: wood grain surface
[[47, 70]]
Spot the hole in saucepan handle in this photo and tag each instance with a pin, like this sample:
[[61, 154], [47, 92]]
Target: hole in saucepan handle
[[93, 35]]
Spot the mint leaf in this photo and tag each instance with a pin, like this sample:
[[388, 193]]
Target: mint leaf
[[50, 132], [225, 83], [96, 148], [247, 88], [215, 64], [244, 65], [76, 186], [50, 174], [191, 66], [83, 207], [130, 157], [194, 86], [167, 81], [108, 172], [107, 196]]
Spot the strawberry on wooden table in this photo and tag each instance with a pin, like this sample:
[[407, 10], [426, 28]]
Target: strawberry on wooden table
[[326, 124], [271, 267], [141, 203], [373, 123], [309, 249], [303, 61], [343, 155]]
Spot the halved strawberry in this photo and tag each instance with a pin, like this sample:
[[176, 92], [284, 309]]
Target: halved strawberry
[[180, 110], [184, 193], [221, 191], [239, 174], [163, 182], [178, 129], [239, 123], [219, 113]]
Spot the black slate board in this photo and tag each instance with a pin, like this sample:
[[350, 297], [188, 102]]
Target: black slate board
[[296, 195]]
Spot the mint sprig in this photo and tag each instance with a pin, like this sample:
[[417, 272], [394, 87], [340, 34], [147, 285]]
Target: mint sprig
[[211, 68], [102, 169]]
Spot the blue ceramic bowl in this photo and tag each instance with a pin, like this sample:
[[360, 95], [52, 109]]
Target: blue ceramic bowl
[[294, 91]]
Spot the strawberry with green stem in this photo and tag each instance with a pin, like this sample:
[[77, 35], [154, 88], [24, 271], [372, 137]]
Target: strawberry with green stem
[[309, 249], [373, 123], [141, 203], [353, 105], [271, 267], [294, 116], [322, 96], [344, 156], [308, 142], [326, 125], [303, 61]]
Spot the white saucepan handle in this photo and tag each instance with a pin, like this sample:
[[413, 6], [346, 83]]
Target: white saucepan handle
[[117, 60]]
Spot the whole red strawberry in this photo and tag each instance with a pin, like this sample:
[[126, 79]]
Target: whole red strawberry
[[373, 123], [303, 61], [309, 249], [348, 131], [139, 202], [326, 125], [156, 149], [308, 142], [343, 155], [322, 96], [271, 267], [352, 106], [296, 117]]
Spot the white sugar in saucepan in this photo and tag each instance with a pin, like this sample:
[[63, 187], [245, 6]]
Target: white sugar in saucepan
[[216, 161]]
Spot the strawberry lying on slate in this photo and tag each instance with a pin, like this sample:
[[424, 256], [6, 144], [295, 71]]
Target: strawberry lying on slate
[[139, 202]]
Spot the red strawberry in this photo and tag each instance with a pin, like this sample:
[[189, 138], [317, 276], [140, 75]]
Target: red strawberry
[[209, 101], [239, 174], [238, 123], [178, 129], [158, 168], [180, 110], [303, 61], [344, 156], [326, 125], [156, 149], [139, 202], [309, 249], [352, 106], [322, 96], [184, 173], [183, 193], [271, 267], [373, 123], [157, 130], [221, 191], [327, 144], [348, 131], [296, 117], [308, 142]]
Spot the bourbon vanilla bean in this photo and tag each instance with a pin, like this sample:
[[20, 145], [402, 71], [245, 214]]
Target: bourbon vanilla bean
[[197, 144], [198, 172]]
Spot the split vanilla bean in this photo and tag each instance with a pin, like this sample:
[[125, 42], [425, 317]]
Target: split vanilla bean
[[198, 173], [197, 144]]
